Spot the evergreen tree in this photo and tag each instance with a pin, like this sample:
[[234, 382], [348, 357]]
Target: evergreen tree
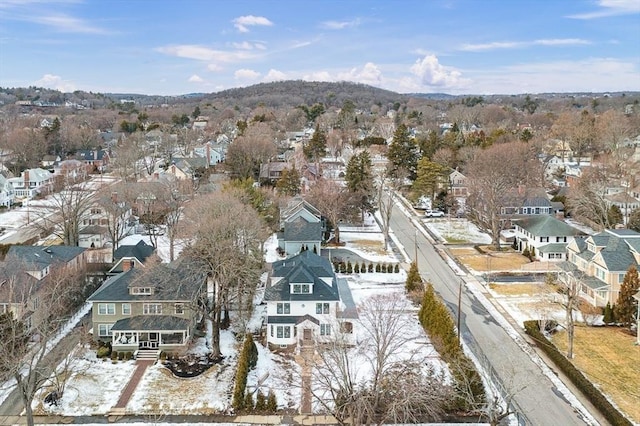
[[248, 401], [196, 112], [414, 281], [626, 306], [289, 182], [634, 220], [403, 153], [614, 215], [272, 402], [317, 145], [430, 177], [608, 314], [261, 402]]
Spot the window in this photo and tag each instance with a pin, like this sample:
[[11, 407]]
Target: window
[[561, 239], [322, 308], [271, 331], [302, 288], [620, 280], [36, 303], [106, 309], [325, 329], [152, 309], [126, 309], [279, 331], [178, 309], [287, 332], [544, 239], [4, 308], [104, 330], [284, 308], [140, 290], [600, 273]]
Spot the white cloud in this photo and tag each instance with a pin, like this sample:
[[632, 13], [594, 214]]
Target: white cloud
[[587, 75], [67, 24], [214, 67], [610, 8], [275, 75], [318, 76], [369, 74], [245, 45], [242, 22], [522, 44], [195, 79], [431, 73], [55, 82], [340, 25], [246, 74], [202, 53]]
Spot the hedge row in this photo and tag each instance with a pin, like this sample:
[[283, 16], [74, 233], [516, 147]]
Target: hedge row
[[437, 322], [591, 392], [247, 360], [361, 268]]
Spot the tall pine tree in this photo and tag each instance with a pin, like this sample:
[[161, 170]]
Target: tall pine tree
[[359, 178], [414, 281], [289, 182], [403, 153], [626, 307]]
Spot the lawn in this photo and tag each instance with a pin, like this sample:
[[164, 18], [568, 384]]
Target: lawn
[[494, 262], [608, 357], [526, 289]]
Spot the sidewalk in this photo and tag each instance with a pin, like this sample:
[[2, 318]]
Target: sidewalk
[[141, 367]]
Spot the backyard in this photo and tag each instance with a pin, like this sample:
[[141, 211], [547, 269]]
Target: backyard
[[608, 357]]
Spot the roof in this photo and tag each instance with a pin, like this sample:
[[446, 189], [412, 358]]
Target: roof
[[140, 251], [301, 230], [291, 319], [90, 154], [544, 225], [553, 248], [151, 323], [168, 284], [350, 310], [41, 257], [306, 267]]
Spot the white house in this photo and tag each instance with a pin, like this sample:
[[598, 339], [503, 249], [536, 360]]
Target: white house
[[214, 153], [32, 182], [306, 302], [302, 227], [545, 235], [6, 192]]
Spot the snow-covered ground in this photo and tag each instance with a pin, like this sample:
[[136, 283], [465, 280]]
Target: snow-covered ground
[[457, 230]]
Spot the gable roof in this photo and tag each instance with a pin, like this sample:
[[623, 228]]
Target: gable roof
[[303, 268], [301, 230], [140, 251], [41, 257]]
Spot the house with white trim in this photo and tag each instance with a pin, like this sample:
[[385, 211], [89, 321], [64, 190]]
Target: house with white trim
[[7, 194], [598, 264], [307, 303], [545, 235], [301, 227], [32, 182]]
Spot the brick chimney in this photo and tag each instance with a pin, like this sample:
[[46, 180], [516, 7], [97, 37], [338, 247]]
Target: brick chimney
[[128, 265], [26, 178]]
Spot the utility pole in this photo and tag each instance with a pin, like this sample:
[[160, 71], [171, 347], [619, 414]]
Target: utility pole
[[459, 308], [415, 247]]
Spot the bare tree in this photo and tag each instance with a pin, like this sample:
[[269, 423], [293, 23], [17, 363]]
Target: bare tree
[[586, 199], [116, 214], [23, 353], [63, 215], [400, 389], [247, 152], [335, 202], [224, 240], [387, 185]]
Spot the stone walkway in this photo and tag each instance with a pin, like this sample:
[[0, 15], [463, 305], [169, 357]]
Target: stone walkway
[[141, 367], [305, 359]]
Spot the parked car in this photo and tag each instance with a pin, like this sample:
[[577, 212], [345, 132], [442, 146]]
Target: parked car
[[434, 213]]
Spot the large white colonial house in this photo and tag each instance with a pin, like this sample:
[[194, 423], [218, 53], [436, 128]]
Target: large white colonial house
[[306, 302], [544, 236]]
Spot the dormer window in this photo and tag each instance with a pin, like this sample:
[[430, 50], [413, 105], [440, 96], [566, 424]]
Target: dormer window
[[301, 288], [141, 290]]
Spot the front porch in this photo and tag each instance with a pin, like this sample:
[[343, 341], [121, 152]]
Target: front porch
[[150, 332]]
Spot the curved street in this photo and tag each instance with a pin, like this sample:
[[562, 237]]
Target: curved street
[[534, 395]]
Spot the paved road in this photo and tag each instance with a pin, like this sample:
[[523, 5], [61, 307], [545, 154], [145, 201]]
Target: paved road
[[535, 395]]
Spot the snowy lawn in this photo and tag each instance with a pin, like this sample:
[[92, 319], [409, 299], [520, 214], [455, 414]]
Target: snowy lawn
[[457, 231]]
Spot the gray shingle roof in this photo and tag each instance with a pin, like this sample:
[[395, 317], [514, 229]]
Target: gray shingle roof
[[553, 248], [168, 285], [41, 257], [151, 323], [140, 251], [547, 226], [301, 230], [305, 267]]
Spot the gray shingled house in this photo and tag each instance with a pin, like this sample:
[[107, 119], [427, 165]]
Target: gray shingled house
[[306, 302], [148, 309], [302, 227]]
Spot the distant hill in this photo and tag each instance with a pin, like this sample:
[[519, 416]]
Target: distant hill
[[298, 92]]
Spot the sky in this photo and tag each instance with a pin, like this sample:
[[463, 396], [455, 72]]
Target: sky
[[171, 47]]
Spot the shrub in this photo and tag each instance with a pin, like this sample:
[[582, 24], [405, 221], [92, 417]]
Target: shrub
[[349, 268], [103, 352], [414, 281], [378, 267], [128, 355], [261, 402], [272, 403], [120, 356], [114, 355], [248, 401], [247, 360], [363, 267], [370, 267], [596, 397], [389, 269], [396, 268], [356, 268], [343, 268], [336, 266], [163, 356]]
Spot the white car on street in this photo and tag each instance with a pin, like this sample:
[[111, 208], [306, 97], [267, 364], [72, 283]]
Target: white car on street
[[434, 213]]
